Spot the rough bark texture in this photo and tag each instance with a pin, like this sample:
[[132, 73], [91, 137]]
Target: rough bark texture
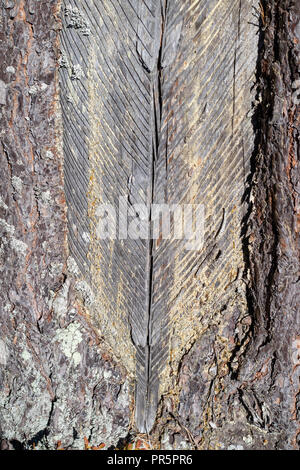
[[57, 382], [253, 401], [236, 385]]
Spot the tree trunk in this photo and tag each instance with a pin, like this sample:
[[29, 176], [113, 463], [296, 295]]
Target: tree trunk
[[132, 341]]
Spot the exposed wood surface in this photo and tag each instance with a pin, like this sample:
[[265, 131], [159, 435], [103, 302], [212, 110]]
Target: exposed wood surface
[[161, 114]]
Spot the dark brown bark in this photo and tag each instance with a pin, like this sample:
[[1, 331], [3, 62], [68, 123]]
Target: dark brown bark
[[57, 382], [256, 400]]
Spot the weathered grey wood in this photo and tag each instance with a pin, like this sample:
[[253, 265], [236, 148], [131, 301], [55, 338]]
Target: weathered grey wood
[[162, 107]]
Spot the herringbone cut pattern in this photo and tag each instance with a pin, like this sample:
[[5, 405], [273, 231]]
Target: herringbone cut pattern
[[155, 97]]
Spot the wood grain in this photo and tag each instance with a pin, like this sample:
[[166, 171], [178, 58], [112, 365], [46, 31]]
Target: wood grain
[[159, 114]]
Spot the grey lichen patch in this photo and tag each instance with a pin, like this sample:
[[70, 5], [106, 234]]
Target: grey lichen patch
[[18, 246], [2, 204], [23, 394], [85, 292], [97, 423], [102, 425], [43, 198], [69, 339], [26, 355], [9, 229], [248, 440], [55, 269], [10, 69], [47, 154], [37, 88], [75, 19], [72, 267], [4, 353], [13, 418], [17, 184], [296, 93], [2, 93], [46, 197], [60, 302], [33, 90]]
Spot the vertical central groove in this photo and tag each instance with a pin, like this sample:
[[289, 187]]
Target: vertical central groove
[[150, 408]]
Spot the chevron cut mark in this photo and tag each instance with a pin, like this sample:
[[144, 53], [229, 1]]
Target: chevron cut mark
[[156, 100]]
